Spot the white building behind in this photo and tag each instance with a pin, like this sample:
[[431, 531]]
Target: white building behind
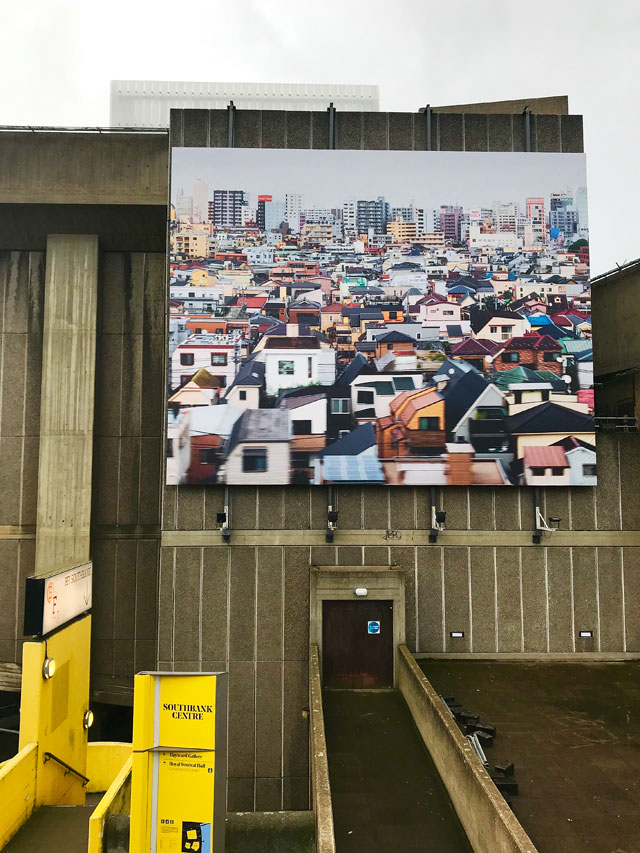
[[147, 103]]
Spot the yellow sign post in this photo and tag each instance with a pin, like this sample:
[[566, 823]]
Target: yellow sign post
[[178, 786]]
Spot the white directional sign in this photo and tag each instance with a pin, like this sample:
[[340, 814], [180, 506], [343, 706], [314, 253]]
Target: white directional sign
[[57, 599]]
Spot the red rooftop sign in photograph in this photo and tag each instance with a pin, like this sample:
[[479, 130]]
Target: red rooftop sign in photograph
[[379, 317]]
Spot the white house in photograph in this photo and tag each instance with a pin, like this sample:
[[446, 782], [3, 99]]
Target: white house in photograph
[[178, 446], [434, 310], [258, 451], [216, 353], [372, 395], [582, 460], [292, 361], [308, 413], [244, 391]]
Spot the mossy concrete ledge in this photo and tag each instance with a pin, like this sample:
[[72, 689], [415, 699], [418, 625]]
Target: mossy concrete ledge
[[320, 787], [489, 823], [245, 832], [270, 832]]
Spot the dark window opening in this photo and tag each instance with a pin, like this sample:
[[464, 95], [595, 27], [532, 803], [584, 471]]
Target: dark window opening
[[301, 427], [254, 459], [366, 397], [429, 423]]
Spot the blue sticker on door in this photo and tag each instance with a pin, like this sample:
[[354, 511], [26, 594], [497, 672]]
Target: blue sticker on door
[[373, 627]]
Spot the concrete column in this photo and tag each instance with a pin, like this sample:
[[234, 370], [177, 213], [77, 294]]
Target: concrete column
[[67, 397]]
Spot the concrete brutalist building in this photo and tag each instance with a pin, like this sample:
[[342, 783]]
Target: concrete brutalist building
[[167, 592]]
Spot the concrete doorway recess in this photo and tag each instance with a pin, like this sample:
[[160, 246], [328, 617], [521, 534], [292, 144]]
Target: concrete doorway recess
[[339, 583]]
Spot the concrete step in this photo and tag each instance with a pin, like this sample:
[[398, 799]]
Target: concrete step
[[54, 829]]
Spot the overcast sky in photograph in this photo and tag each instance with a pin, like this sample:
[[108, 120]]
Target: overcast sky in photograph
[[428, 178], [59, 56]]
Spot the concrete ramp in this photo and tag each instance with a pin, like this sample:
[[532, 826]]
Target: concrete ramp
[[53, 828], [386, 792]]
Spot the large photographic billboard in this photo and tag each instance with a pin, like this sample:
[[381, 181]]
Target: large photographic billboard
[[379, 317]]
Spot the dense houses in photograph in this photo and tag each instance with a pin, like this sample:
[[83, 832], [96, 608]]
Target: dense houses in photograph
[[367, 343]]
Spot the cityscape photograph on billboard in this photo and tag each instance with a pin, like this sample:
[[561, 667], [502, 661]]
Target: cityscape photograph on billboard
[[379, 317]]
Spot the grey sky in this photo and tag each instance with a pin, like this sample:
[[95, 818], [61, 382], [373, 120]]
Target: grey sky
[[59, 55], [430, 178]]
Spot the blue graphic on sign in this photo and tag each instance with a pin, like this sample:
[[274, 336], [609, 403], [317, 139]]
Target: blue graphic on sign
[[373, 628]]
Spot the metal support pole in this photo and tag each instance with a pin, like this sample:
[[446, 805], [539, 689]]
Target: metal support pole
[[231, 125], [331, 142], [427, 118], [433, 533], [527, 129], [223, 518], [332, 516], [537, 533]]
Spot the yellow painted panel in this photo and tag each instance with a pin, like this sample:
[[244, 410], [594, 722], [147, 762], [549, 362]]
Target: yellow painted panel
[[104, 762], [52, 711], [17, 791], [185, 796], [174, 763], [187, 712]]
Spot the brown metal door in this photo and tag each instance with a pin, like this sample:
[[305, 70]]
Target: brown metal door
[[357, 644]]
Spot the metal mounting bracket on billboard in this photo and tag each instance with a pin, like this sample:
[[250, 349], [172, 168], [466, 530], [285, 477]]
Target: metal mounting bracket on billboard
[[527, 129], [331, 142], [53, 600], [231, 125]]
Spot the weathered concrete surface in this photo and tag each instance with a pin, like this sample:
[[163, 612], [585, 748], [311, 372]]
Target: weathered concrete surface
[[320, 786], [66, 403], [270, 832], [84, 168], [117, 833], [573, 732], [553, 105], [52, 829], [386, 791], [488, 821]]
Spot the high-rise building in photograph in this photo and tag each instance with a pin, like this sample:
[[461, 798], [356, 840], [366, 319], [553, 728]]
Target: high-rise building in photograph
[[226, 207], [200, 195], [536, 213], [450, 217], [373, 214], [292, 208]]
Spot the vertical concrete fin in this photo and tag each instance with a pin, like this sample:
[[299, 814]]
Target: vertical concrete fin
[[67, 400]]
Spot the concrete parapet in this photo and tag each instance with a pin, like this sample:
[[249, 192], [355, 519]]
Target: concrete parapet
[[105, 760], [270, 832], [17, 791], [109, 822], [488, 821], [246, 832], [320, 787]]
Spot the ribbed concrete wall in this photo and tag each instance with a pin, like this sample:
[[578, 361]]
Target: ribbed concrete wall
[[66, 403], [247, 605], [22, 276]]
